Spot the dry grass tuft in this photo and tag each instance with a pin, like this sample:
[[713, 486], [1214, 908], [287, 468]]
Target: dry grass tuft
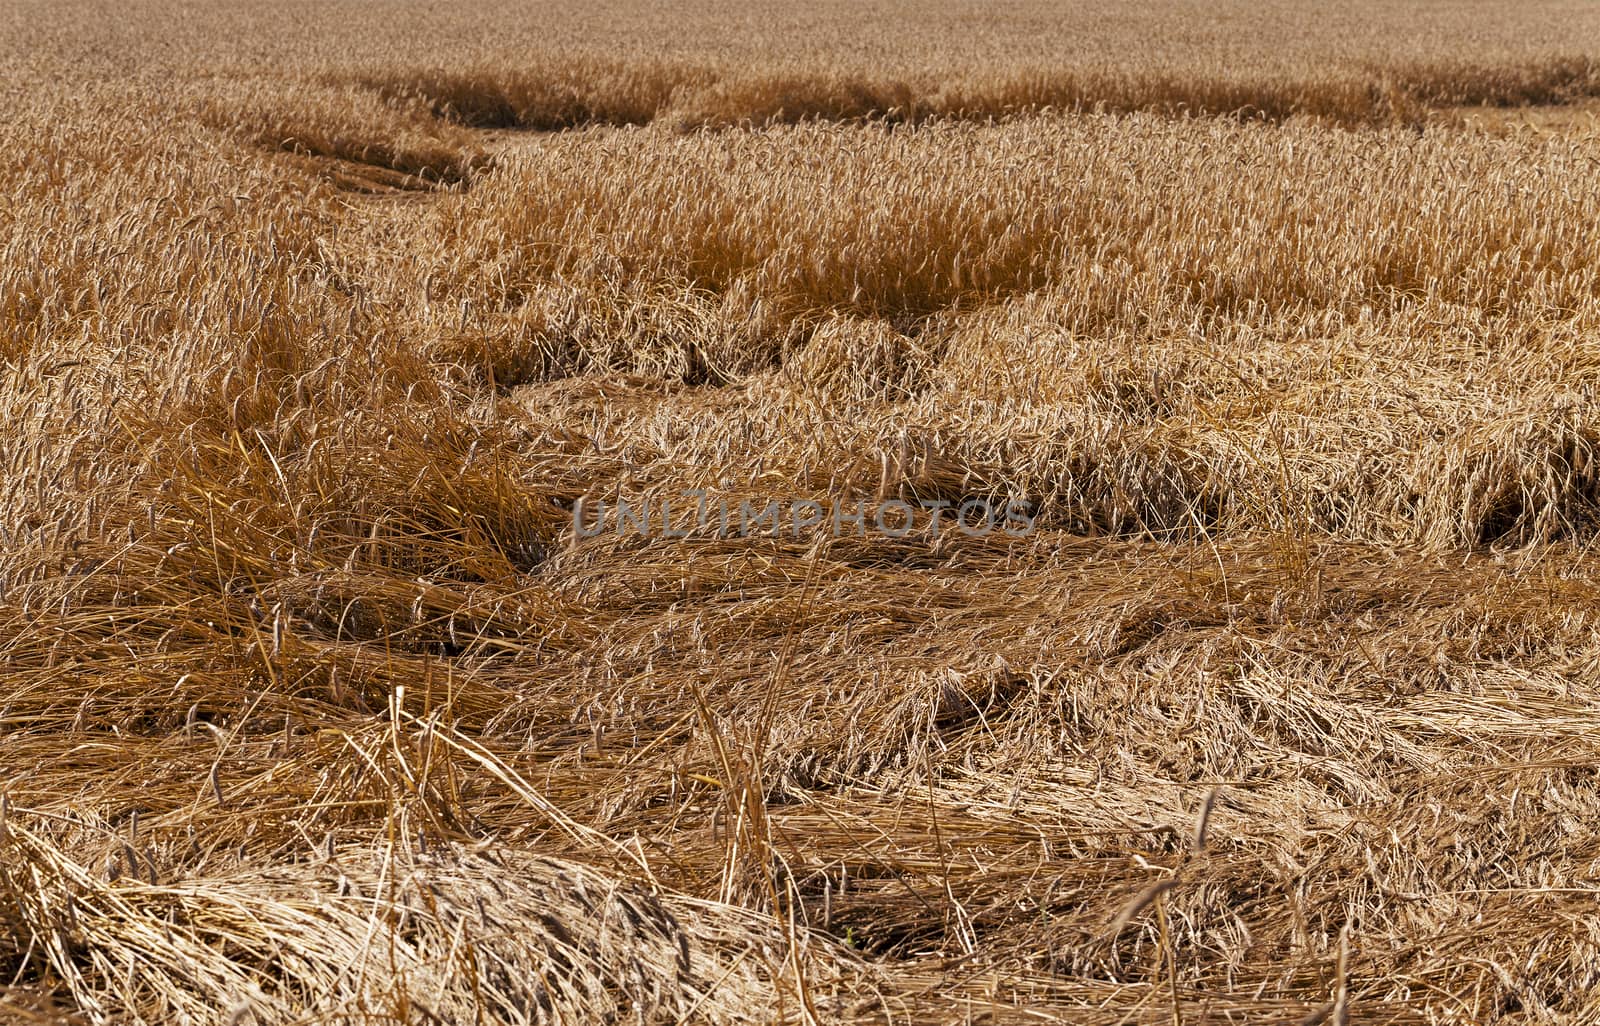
[[442, 935]]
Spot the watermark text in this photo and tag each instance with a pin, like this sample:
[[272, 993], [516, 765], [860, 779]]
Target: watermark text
[[719, 517]]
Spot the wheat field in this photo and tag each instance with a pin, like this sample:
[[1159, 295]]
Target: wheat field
[[321, 323]]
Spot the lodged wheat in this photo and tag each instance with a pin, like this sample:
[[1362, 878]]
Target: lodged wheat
[[317, 323]]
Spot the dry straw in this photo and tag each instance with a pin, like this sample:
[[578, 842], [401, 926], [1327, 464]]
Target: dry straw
[[314, 708]]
